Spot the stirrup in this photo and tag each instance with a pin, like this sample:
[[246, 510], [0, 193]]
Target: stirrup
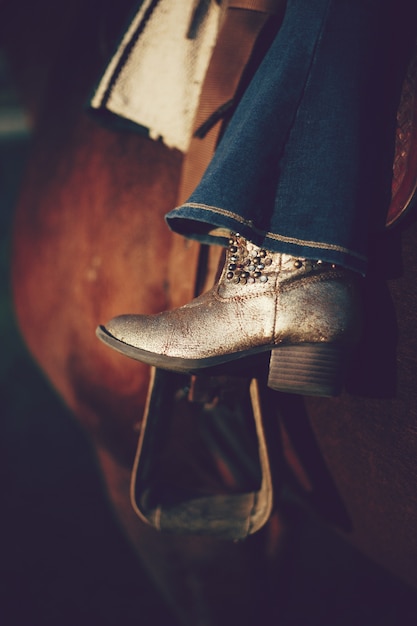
[[234, 496]]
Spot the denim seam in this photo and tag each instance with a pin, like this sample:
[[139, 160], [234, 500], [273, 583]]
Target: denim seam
[[274, 236]]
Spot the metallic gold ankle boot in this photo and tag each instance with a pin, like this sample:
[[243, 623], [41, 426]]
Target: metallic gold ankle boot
[[304, 313]]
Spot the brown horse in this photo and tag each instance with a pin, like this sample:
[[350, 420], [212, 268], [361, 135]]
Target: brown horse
[[90, 242]]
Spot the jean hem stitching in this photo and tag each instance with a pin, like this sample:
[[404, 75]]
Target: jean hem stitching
[[273, 236]]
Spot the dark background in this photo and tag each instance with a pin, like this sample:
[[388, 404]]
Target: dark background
[[63, 559]]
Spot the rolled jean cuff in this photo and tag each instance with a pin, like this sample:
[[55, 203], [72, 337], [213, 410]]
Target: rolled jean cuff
[[213, 225]]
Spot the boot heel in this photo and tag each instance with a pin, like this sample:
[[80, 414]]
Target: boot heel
[[310, 369]]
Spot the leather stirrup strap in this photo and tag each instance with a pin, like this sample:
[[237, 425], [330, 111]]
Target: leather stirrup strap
[[244, 21], [178, 509]]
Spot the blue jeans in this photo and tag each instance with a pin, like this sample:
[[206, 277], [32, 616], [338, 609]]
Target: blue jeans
[[307, 155]]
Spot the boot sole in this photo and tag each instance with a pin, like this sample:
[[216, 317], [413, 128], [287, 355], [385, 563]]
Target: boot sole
[[309, 369]]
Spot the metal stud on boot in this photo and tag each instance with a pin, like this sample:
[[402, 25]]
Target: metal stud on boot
[[304, 313]]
